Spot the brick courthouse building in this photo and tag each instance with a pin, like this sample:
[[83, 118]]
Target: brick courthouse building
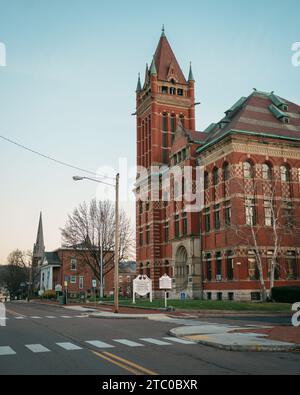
[[251, 177]]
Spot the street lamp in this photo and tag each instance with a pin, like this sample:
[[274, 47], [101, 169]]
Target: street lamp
[[117, 235]]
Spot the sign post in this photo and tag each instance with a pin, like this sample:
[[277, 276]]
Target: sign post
[[165, 283], [66, 291], [142, 286], [94, 285]]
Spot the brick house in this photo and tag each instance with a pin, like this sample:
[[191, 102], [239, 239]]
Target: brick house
[[247, 158], [66, 264]]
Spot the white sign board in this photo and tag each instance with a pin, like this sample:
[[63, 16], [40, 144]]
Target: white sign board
[[165, 282], [142, 286], [58, 288], [94, 283]]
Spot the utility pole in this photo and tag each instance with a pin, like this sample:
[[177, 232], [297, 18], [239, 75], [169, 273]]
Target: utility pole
[[117, 234], [29, 290], [101, 270]]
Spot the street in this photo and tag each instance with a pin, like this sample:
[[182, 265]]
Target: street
[[41, 339]]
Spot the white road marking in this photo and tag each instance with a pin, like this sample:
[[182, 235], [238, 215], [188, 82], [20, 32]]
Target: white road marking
[[156, 342], [50, 317], [6, 351], [65, 316], [36, 318], [20, 318], [180, 341], [128, 343], [37, 348], [98, 344], [69, 346]]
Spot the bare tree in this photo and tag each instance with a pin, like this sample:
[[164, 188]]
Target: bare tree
[[20, 271], [280, 223], [91, 228]]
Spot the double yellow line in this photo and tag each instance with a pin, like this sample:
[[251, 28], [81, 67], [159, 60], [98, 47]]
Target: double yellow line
[[131, 367]]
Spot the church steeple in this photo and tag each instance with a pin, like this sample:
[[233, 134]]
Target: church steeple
[[39, 246]]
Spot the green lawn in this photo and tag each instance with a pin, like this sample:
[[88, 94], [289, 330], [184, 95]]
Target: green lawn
[[212, 305]]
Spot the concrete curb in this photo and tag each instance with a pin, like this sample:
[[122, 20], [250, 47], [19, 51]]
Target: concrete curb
[[113, 316], [239, 348]]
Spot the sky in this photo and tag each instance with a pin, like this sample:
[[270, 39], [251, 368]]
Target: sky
[[68, 88]]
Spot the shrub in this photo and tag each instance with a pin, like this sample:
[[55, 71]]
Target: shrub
[[49, 295], [286, 294]]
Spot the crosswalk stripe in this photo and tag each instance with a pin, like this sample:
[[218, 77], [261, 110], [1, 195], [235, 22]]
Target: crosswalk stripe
[[180, 341], [20, 318], [6, 351], [156, 342], [37, 348], [99, 344], [36, 318], [50, 317], [69, 346], [128, 343], [65, 316]]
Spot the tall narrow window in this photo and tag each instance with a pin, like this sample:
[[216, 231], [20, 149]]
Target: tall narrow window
[[173, 127], [291, 265], [141, 237], [268, 213], [165, 123], [216, 176], [148, 234], [228, 213], [229, 264], [207, 220], [267, 172], [270, 259], [285, 173], [217, 217], [219, 265], [226, 172], [287, 213], [208, 267], [185, 224], [73, 264], [206, 180], [252, 266], [250, 212], [177, 226], [166, 232], [248, 170]]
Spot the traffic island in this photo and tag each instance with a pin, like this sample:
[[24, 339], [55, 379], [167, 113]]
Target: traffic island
[[229, 338]]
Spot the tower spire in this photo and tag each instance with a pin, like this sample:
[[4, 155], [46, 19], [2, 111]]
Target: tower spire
[[191, 75], [139, 85], [153, 70], [163, 34]]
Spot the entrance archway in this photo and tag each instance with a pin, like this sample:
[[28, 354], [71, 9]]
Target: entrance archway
[[181, 268]]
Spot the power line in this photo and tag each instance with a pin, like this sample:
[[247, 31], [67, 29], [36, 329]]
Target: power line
[[53, 159]]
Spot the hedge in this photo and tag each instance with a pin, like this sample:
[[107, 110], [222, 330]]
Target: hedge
[[286, 294]]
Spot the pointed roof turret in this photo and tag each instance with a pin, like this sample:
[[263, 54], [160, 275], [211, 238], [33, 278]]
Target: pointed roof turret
[[163, 34], [139, 85], [191, 75], [164, 57], [153, 70]]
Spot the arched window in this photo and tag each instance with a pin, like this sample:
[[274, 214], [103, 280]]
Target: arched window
[[248, 170], [206, 180], [216, 176], [285, 173], [267, 172], [226, 171]]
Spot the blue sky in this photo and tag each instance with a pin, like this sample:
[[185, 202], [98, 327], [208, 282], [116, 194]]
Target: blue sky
[[68, 88]]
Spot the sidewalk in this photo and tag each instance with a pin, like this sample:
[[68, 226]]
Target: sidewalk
[[230, 338]]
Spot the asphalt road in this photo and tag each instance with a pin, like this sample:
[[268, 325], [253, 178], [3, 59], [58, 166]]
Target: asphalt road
[[40, 339]]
